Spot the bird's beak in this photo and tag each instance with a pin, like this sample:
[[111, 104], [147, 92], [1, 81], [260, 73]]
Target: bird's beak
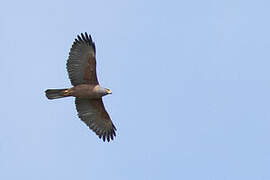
[[109, 91]]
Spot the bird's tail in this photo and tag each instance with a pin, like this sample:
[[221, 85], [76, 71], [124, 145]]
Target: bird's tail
[[56, 93]]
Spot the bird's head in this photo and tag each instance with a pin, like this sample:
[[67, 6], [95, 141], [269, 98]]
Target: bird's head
[[104, 91]]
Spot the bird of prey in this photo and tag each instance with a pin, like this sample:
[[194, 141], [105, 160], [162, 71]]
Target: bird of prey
[[81, 67]]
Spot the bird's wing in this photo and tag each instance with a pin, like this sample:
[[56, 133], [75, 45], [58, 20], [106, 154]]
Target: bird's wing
[[81, 63], [92, 112]]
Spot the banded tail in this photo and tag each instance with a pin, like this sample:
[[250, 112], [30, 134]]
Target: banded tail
[[55, 93]]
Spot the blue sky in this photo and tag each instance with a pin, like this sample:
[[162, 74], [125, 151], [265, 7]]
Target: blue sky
[[190, 82]]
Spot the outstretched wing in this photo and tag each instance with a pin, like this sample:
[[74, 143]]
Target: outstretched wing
[[92, 112], [81, 63]]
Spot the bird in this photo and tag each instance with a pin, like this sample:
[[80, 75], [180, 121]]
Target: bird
[[81, 68]]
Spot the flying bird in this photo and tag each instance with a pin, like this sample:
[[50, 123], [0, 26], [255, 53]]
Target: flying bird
[[81, 67]]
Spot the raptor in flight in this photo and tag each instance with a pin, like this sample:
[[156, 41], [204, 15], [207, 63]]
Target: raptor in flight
[[81, 67]]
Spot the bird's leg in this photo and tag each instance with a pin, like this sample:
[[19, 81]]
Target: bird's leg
[[66, 92]]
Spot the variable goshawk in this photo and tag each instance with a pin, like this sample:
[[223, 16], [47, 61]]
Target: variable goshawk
[[81, 67]]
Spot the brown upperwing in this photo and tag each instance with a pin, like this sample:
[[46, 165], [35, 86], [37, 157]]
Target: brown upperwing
[[92, 112], [81, 63], [90, 74]]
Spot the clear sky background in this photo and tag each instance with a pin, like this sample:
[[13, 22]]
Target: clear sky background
[[190, 82]]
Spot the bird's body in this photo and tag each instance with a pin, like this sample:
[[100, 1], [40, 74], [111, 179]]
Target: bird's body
[[81, 66], [87, 91]]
